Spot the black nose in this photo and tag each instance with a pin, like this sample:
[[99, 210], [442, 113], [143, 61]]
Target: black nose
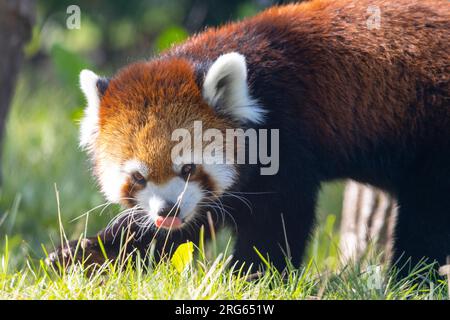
[[168, 210]]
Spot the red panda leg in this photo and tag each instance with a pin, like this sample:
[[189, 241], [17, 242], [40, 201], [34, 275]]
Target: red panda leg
[[278, 228], [120, 241], [423, 226]]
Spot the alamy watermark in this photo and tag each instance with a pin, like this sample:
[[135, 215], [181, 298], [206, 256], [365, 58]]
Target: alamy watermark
[[374, 277], [374, 19], [73, 21], [234, 146]]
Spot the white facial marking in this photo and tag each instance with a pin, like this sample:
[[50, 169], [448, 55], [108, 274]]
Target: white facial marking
[[218, 164], [222, 174], [112, 177], [155, 204], [89, 123], [185, 197], [226, 89], [134, 165]]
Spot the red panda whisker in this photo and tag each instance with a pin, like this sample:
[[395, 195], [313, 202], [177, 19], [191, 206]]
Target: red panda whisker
[[210, 200], [221, 206], [218, 201], [255, 192], [116, 218], [128, 220], [242, 199], [106, 204], [119, 216], [214, 207], [213, 204], [144, 226]]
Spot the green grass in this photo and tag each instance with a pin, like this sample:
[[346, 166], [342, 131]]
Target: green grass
[[40, 152], [210, 279]]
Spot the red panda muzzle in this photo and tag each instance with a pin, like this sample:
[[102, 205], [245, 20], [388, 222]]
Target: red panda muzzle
[[168, 222]]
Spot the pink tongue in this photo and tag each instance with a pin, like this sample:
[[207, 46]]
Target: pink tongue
[[168, 222]]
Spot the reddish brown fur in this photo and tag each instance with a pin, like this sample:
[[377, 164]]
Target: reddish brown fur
[[143, 105], [129, 190], [329, 44], [350, 102]]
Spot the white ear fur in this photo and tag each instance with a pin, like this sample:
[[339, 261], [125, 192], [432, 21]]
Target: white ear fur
[[89, 123], [226, 89]]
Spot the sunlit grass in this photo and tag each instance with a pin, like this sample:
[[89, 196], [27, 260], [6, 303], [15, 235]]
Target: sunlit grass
[[207, 279], [40, 150]]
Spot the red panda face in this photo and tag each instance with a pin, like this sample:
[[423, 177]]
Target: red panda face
[[128, 131]]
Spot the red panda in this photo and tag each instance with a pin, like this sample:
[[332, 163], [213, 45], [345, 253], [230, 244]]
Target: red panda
[[352, 97]]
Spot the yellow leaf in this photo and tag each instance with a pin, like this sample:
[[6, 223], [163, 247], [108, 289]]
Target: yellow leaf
[[183, 256]]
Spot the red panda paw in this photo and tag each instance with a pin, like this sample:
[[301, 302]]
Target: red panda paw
[[86, 253]]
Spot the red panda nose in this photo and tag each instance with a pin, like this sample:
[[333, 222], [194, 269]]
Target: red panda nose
[[168, 210]]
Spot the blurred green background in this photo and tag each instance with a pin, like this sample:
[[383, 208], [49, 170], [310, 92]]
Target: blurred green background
[[40, 148]]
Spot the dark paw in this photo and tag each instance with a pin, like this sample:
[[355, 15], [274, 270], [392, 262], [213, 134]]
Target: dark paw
[[86, 252]]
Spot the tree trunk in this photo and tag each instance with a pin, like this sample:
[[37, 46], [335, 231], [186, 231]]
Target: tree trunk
[[368, 219], [16, 20]]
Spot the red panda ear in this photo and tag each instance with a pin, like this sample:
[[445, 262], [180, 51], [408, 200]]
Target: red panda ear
[[93, 88], [225, 88], [102, 85]]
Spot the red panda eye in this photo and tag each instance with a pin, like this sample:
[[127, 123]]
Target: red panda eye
[[187, 169], [138, 178]]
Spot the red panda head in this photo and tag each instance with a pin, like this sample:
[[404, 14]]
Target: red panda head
[[128, 126]]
